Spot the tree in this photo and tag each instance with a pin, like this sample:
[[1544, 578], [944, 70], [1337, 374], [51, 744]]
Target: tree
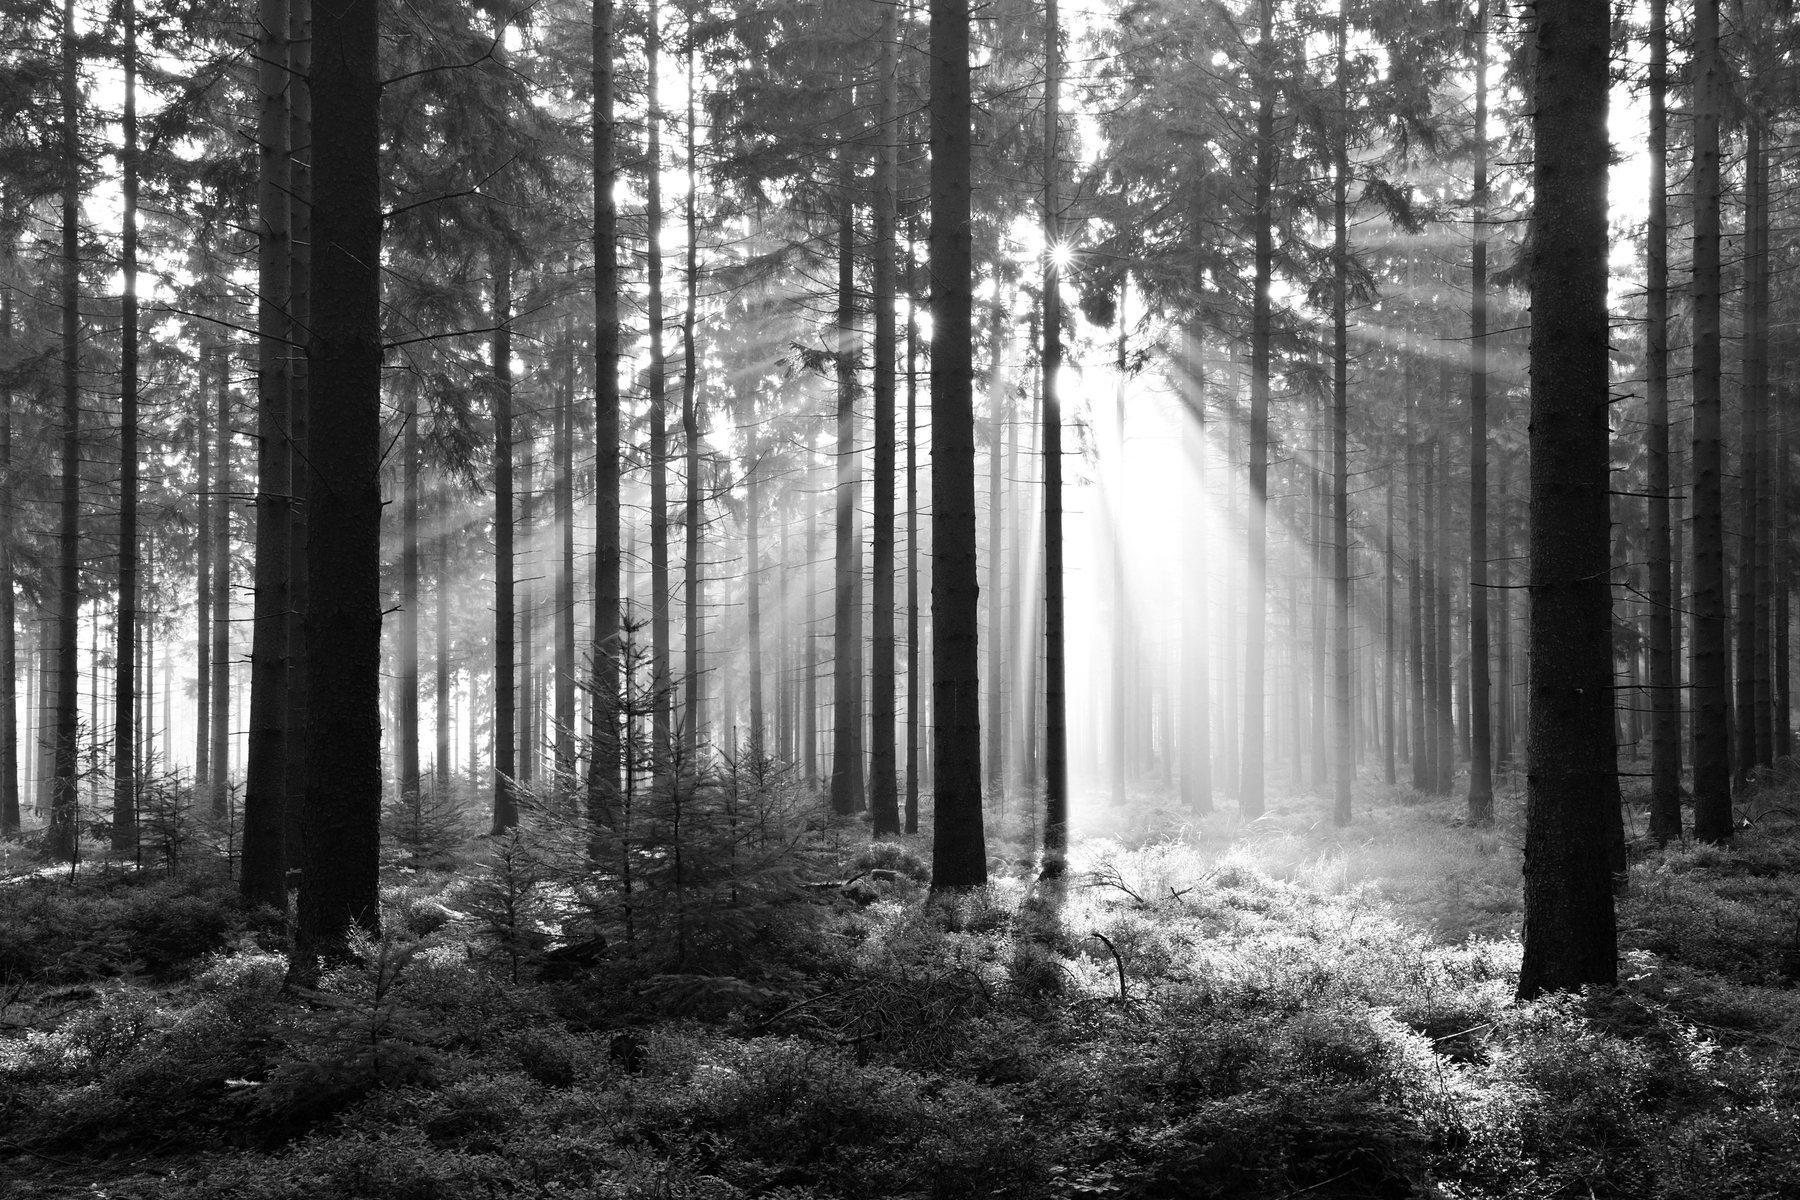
[[603, 761], [65, 799], [883, 790], [264, 878], [341, 820], [1056, 730], [1570, 939], [124, 815], [1665, 702], [1481, 775], [1712, 766], [959, 846]]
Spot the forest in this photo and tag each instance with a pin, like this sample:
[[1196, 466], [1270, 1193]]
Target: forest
[[898, 598]]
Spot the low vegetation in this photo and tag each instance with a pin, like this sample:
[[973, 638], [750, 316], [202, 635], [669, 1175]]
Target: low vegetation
[[1204, 1011]]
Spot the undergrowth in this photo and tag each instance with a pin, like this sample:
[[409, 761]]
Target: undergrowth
[[1200, 1010]]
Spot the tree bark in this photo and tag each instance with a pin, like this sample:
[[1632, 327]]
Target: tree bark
[[661, 693], [603, 762], [1570, 940], [998, 388], [221, 598], [914, 697], [564, 505], [1481, 771], [693, 716], [504, 739], [883, 793], [264, 878], [301, 478], [124, 799], [1665, 699], [959, 846], [847, 794], [9, 644], [1343, 767], [64, 835], [408, 717], [1712, 764], [1251, 766], [1196, 714], [1056, 728], [340, 827]]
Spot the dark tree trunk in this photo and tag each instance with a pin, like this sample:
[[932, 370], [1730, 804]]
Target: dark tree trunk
[[1712, 762], [809, 692], [504, 740], [1570, 940], [1343, 766], [661, 695], [1481, 772], [914, 698], [124, 799], [1196, 709], [1415, 596], [998, 388], [1251, 766], [564, 504], [1056, 727], [301, 478], [846, 735], [603, 763], [1665, 700], [1757, 380], [753, 570], [64, 836], [203, 544], [1446, 651], [1390, 645], [693, 716], [1745, 708], [221, 597], [264, 879], [408, 716], [441, 667], [959, 844], [526, 548], [341, 822], [9, 643], [883, 793]]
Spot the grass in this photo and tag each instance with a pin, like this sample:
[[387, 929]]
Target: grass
[[1205, 1008]]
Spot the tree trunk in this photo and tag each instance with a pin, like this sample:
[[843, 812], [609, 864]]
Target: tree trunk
[[603, 762], [564, 503], [1665, 700], [526, 549], [264, 878], [1757, 378], [809, 693], [1056, 726], [10, 816], [661, 695], [959, 846], [753, 571], [203, 544], [301, 477], [693, 732], [1481, 772], [1389, 644], [221, 597], [504, 737], [1446, 650], [914, 698], [1119, 728], [998, 387], [1570, 940], [64, 834], [1196, 714], [1343, 767], [883, 793], [124, 799], [408, 717], [1712, 763], [1251, 766], [441, 669], [846, 691], [1745, 707], [340, 827]]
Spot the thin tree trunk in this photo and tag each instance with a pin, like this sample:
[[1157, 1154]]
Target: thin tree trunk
[[810, 691], [959, 844], [1056, 725], [221, 598], [603, 761], [661, 695], [264, 878], [340, 824], [1196, 714], [526, 548], [124, 798], [564, 505], [1389, 644], [504, 740], [693, 732], [1762, 532], [10, 816], [753, 569], [441, 668], [1712, 763], [203, 544], [408, 732], [1344, 767], [1251, 766], [1446, 651], [1665, 700], [883, 793], [64, 834], [846, 736], [914, 698], [301, 477], [998, 387], [1481, 771], [1570, 940], [1745, 708]]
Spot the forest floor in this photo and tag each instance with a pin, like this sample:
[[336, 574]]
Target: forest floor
[[1205, 1009]]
